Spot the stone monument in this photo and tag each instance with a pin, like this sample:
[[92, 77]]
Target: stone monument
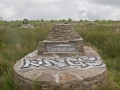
[[62, 40], [25, 24], [61, 62]]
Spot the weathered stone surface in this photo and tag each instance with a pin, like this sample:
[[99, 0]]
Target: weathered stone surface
[[27, 26], [46, 77], [66, 73], [62, 32], [67, 77]]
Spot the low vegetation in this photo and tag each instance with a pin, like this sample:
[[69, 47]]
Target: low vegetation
[[16, 42]]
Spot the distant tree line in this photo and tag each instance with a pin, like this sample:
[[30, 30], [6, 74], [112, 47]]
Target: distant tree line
[[69, 20]]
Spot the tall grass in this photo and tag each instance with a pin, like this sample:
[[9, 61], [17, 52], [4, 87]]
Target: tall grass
[[107, 43], [15, 43]]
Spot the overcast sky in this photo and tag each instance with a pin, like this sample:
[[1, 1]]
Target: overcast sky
[[60, 9]]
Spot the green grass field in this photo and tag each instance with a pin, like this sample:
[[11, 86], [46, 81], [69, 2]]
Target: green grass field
[[15, 43]]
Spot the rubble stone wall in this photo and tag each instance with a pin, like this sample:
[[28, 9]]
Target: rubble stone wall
[[90, 83], [62, 32]]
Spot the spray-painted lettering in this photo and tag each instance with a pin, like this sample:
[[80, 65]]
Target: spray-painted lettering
[[83, 62]]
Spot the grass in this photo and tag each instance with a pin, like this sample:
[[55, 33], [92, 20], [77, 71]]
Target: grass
[[107, 42], [15, 43]]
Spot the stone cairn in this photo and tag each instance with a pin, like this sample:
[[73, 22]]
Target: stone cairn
[[62, 34], [61, 62], [26, 25]]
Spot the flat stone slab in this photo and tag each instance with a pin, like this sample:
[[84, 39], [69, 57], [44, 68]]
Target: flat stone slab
[[73, 73]]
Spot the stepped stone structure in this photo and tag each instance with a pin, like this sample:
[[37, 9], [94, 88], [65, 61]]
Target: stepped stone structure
[[62, 40], [61, 62], [62, 32]]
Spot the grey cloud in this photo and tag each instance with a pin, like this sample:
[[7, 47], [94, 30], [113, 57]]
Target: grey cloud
[[106, 2], [54, 10], [59, 9]]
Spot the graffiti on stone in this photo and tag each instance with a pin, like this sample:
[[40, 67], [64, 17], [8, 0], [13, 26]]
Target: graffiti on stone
[[61, 63]]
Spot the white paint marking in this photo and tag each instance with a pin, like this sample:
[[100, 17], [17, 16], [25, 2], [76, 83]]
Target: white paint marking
[[56, 78]]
